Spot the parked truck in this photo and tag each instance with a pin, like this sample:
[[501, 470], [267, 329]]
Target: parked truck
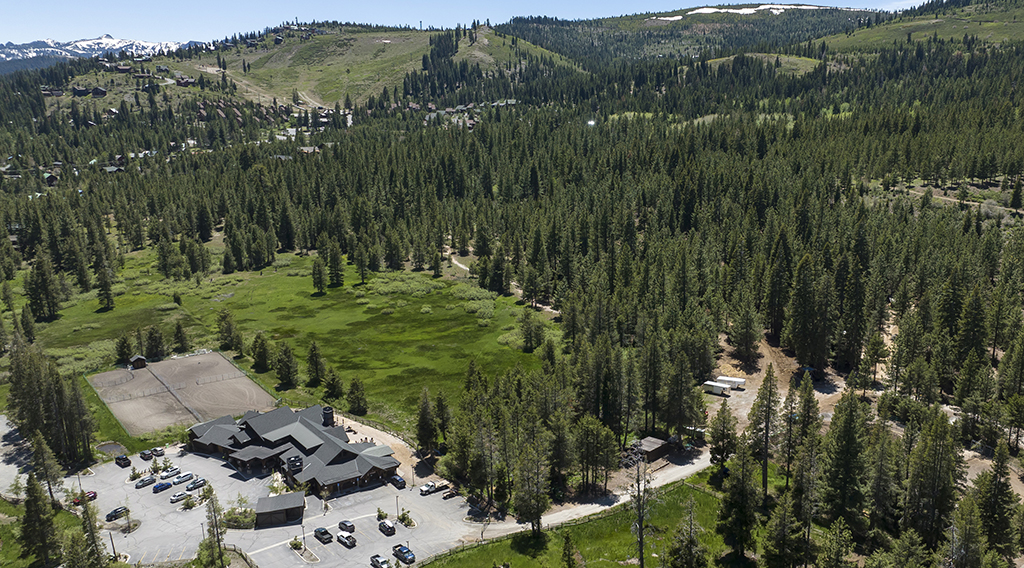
[[403, 553]]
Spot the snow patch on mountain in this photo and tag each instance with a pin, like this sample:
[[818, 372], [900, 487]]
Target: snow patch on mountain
[[83, 48]]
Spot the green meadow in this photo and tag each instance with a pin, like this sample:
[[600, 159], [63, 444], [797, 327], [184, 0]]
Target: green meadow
[[989, 23], [602, 541], [397, 332]]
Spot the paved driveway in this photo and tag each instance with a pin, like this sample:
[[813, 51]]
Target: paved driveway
[[439, 527], [167, 533]]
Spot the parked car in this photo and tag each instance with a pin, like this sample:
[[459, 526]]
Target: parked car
[[386, 527], [378, 561], [183, 478], [398, 481], [117, 514], [179, 496], [196, 484], [323, 535], [148, 480], [403, 553], [89, 495], [123, 461], [161, 487], [170, 472], [346, 539], [347, 526], [146, 455], [450, 493], [158, 452]]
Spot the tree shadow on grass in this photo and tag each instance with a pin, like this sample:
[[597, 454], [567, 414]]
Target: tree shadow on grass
[[529, 544], [318, 294], [733, 560]]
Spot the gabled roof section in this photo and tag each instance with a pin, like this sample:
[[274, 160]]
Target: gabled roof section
[[280, 502], [298, 431], [201, 429]]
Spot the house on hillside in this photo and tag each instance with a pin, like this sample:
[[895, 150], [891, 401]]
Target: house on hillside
[[162, 69], [305, 446], [99, 92], [185, 82], [137, 362], [80, 91], [124, 68]]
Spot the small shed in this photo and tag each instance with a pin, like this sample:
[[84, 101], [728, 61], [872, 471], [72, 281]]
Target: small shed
[[654, 448], [137, 362], [280, 509], [716, 388]]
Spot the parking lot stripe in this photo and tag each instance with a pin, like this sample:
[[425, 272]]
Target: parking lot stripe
[[143, 557], [182, 552], [266, 548]]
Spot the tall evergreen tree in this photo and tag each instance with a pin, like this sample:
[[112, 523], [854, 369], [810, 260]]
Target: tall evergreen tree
[[997, 503], [737, 518], [805, 329], [966, 546], [319, 275], [316, 367], [764, 421], [722, 435], [426, 425], [883, 484], [43, 289], [936, 468], [843, 463], [286, 366], [837, 544], [45, 466], [782, 539], [38, 534], [685, 549]]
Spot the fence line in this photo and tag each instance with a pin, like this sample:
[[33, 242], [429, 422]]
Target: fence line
[[245, 557]]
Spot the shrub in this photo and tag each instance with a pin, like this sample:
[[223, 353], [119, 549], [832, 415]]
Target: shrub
[[381, 515], [135, 474], [405, 519], [236, 518], [189, 504], [426, 310], [387, 311], [296, 544]]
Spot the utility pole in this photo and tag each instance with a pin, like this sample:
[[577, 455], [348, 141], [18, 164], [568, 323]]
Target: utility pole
[[397, 510], [111, 535]]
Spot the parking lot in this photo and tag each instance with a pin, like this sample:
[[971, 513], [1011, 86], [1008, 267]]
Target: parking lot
[[167, 533]]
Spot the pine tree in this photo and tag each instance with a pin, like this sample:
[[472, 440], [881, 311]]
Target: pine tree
[[333, 387], [836, 545], [28, 324], [182, 344], [154, 343], [286, 366], [805, 318], [260, 353], [764, 419], [95, 551], [843, 462], [972, 332], [45, 466], [357, 397], [722, 435], [936, 468], [316, 368], [38, 534], [883, 486], [531, 487], [426, 427], [966, 546], [685, 550], [105, 282], [782, 540], [43, 289], [738, 516], [319, 275], [997, 503], [335, 265]]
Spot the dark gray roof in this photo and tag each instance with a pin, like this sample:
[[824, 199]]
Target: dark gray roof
[[204, 427], [280, 502], [298, 431], [258, 452], [265, 423]]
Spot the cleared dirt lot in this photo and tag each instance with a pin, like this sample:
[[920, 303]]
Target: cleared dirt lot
[[176, 391]]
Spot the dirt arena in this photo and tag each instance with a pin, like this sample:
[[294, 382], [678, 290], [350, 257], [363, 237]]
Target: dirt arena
[[207, 386]]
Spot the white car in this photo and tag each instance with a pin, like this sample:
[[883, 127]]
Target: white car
[[169, 473], [429, 488], [183, 478], [179, 496]]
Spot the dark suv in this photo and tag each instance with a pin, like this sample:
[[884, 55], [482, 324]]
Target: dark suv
[[117, 514], [323, 535], [123, 461], [398, 481]]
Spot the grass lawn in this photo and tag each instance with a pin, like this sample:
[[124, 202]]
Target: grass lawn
[[604, 541], [10, 551], [398, 332]]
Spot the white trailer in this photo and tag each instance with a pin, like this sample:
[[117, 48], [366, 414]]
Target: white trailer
[[716, 388], [733, 382]]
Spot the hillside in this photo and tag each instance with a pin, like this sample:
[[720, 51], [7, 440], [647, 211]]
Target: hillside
[[990, 23], [350, 63], [684, 33]]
